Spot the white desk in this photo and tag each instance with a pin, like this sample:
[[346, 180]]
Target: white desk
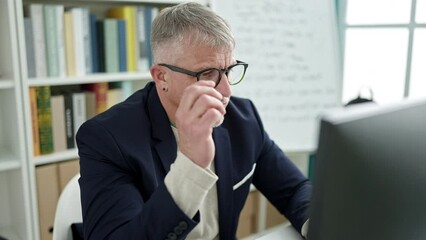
[[283, 232]]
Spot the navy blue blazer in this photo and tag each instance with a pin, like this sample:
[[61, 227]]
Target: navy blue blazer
[[126, 152]]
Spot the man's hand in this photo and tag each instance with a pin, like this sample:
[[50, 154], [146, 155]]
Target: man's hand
[[200, 110]]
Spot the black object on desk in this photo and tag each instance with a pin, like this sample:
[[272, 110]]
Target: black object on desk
[[370, 169]]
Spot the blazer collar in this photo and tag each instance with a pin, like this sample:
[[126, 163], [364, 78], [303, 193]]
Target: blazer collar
[[165, 142]]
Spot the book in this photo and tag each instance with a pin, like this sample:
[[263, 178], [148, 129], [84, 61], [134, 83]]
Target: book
[[29, 47], [58, 123], [51, 38], [90, 99], [79, 110], [37, 19], [149, 14], [69, 44], [34, 121], [128, 13], [94, 43], [115, 95], [101, 95], [69, 120], [60, 34], [143, 64], [44, 118], [87, 41], [126, 86], [79, 50], [122, 52], [67, 92], [101, 45], [110, 39]]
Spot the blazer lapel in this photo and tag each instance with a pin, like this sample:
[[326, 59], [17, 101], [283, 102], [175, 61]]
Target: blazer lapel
[[165, 142], [223, 168]]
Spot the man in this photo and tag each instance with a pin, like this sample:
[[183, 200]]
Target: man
[[176, 159]]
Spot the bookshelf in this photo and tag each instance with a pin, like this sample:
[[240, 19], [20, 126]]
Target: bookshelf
[[19, 198], [15, 214]]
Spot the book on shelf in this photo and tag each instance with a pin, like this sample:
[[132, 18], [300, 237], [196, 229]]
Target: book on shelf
[[34, 121], [69, 120], [90, 99], [122, 52], [149, 13], [128, 13], [60, 34], [115, 95], [69, 44], [50, 21], [58, 122], [79, 110], [126, 87], [73, 42], [44, 117], [36, 14], [87, 41], [78, 15], [101, 46], [29, 47], [143, 63], [109, 39], [94, 43], [100, 91], [67, 93]]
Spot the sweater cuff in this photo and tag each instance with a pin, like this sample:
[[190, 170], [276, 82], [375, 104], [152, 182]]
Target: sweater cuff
[[305, 227], [189, 184]]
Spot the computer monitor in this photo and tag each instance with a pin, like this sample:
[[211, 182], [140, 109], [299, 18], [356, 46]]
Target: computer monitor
[[370, 174]]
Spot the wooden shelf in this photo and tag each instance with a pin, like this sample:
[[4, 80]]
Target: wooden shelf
[[92, 78], [6, 84], [8, 161], [56, 157]]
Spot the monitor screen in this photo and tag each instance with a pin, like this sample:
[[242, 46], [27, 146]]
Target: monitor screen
[[370, 174]]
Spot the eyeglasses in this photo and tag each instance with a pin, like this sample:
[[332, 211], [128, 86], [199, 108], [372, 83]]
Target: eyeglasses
[[235, 73]]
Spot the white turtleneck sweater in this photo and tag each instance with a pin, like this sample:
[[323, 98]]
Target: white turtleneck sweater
[[196, 191]]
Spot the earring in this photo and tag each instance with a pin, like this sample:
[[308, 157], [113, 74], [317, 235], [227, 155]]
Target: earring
[[165, 89]]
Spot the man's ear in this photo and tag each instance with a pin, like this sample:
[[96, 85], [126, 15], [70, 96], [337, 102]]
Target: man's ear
[[157, 74]]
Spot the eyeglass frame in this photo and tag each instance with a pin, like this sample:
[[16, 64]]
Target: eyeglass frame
[[199, 73]]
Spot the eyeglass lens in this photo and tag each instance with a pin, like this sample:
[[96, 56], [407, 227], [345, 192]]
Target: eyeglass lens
[[234, 75]]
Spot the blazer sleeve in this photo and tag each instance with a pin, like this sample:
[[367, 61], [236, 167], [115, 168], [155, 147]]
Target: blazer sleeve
[[112, 204], [281, 181]]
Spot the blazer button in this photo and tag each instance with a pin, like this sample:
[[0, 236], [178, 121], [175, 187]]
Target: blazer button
[[172, 236], [178, 230], [183, 225]]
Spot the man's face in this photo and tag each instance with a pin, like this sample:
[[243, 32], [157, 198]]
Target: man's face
[[196, 58]]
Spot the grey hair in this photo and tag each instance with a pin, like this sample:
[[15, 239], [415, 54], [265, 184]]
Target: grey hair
[[192, 22]]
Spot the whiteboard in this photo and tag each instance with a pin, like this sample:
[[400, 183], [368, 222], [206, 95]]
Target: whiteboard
[[294, 72]]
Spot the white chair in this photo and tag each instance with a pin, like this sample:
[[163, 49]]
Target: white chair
[[68, 210]]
